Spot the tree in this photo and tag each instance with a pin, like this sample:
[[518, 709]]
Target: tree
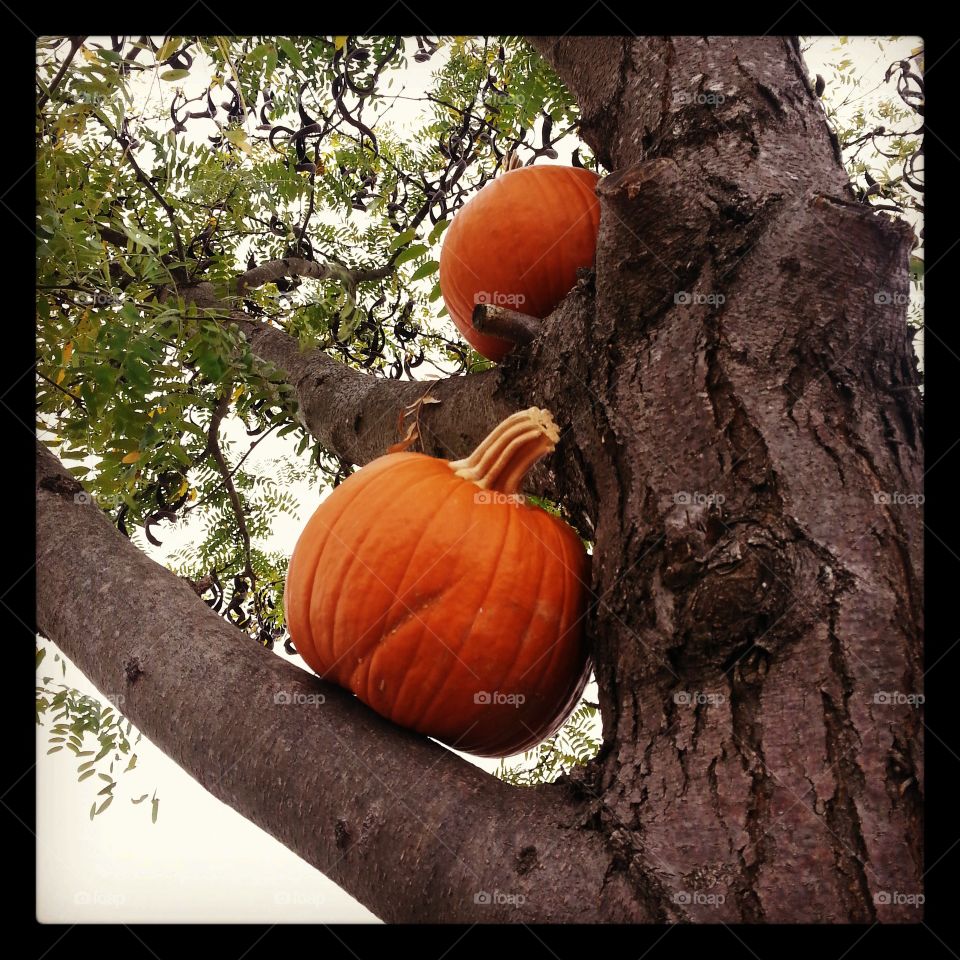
[[742, 447]]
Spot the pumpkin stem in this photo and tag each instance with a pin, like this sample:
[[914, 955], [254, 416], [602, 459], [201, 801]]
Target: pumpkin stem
[[505, 457], [511, 161]]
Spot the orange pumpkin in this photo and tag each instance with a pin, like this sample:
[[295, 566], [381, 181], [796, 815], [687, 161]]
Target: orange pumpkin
[[446, 603], [518, 243]]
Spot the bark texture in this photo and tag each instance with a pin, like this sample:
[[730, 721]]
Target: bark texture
[[742, 437]]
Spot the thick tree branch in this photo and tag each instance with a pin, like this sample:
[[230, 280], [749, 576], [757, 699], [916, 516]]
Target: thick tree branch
[[355, 414], [405, 826]]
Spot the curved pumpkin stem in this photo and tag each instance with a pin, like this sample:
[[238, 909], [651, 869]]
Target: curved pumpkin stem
[[511, 161], [505, 457]]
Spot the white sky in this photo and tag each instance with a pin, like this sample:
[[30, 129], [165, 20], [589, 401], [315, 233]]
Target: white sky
[[202, 861]]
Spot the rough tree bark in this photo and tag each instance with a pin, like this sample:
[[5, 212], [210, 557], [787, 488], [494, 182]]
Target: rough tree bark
[[742, 424]]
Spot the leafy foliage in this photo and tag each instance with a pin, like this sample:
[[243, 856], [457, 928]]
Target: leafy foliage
[[96, 734], [575, 743]]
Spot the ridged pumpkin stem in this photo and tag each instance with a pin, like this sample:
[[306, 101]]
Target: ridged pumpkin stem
[[505, 457]]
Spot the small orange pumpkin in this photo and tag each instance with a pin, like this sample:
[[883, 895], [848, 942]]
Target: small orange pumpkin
[[518, 243], [446, 603]]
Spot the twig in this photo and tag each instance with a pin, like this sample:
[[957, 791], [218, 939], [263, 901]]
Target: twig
[[236, 76], [213, 445], [76, 400], [75, 44], [145, 180]]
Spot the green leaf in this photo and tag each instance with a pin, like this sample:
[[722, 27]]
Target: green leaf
[[173, 75], [168, 49], [437, 230], [287, 46], [238, 137], [431, 266], [257, 53], [402, 238], [139, 237], [411, 253]]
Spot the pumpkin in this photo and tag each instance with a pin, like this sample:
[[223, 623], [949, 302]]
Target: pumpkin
[[518, 244], [443, 600]]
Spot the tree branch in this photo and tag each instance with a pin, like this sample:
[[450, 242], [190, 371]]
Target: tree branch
[[354, 414], [519, 328], [273, 270], [405, 826], [124, 142]]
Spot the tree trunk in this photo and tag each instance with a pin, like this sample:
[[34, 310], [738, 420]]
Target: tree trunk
[[742, 442], [750, 451]]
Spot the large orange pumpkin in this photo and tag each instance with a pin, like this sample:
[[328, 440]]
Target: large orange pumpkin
[[442, 600], [518, 243]]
